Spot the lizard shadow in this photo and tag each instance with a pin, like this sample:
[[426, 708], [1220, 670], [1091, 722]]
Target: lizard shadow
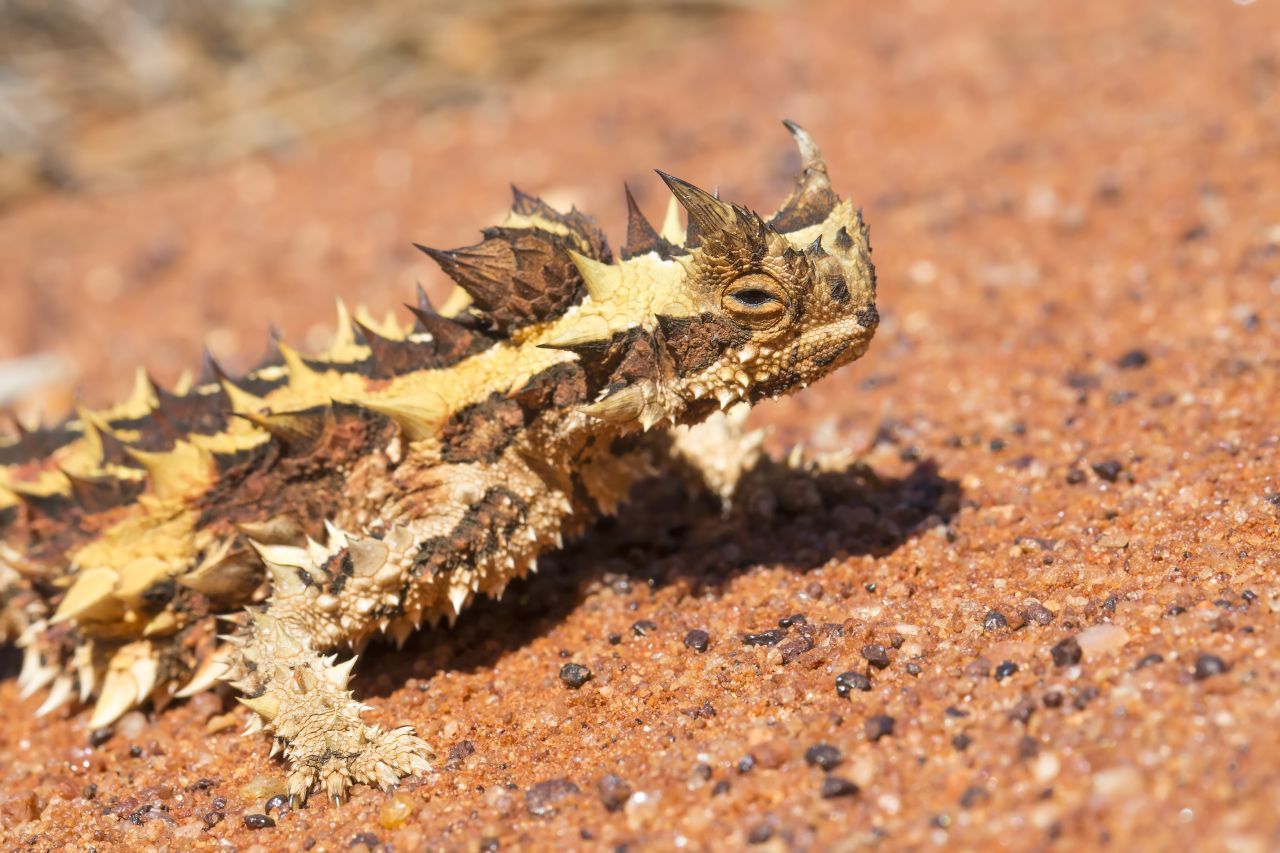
[[668, 533]]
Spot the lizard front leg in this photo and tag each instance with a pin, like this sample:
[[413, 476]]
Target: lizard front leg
[[298, 692]]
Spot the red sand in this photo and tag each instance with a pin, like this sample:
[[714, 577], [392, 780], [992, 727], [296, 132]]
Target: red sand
[[1049, 195]]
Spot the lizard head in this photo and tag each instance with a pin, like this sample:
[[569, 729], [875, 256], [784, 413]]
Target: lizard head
[[741, 309]]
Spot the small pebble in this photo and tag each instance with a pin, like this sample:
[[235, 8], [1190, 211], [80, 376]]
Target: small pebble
[[876, 655], [644, 626], [212, 819], [614, 791], [879, 726], [1150, 660], [961, 741], [1108, 469], [1005, 670], [850, 681], [364, 839], [837, 786], [574, 675], [614, 639], [1053, 699], [793, 619], [277, 803], [764, 638], [258, 821], [219, 803], [396, 811], [541, 799], [1208, 666], [760, 833], [746, 764], [1066, 653], [697, 639], [913, 669], [721, 787], [1101, 639], [994, 621], [100, 736], [132, 725], [823, 755], [1133, 359]]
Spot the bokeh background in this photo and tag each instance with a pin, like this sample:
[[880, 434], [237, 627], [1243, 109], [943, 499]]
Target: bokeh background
[[1066, 426]]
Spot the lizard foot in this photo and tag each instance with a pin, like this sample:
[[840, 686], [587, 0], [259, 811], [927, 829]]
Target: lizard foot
[[338, 759]]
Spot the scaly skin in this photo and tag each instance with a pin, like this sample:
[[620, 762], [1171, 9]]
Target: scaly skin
[[320, 502]]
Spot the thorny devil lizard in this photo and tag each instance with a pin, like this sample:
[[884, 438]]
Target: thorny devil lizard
[[318, 502]]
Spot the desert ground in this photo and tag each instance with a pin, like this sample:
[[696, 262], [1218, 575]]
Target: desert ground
[[1040, 611]]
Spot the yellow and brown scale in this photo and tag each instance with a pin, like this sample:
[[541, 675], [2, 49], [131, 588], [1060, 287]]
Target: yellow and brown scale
[[321, 501]]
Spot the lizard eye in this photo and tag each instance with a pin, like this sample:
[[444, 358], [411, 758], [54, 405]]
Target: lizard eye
[[756, 301]]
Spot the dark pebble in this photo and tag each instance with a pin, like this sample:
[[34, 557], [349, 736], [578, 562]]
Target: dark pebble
[[1021, 712], [720, 787], [876, 655], [1133, 359], [1028, 747], [1108, 469], [973, 795], [574, 675], [364, 839], [746, 765], [823, 755], [463, 750], [644, 626], [871, 587], [219, 803], [879, 726], [994, 621], [953, 711], [1084, 696], [98, 737], [1074, 477], [913, 669], [1053, 699], [258, 821], [837, 786], [1208, 666], [697, 639], [850, 681], [1150, 660], [614, 791], [135, 751], [1249, 596], [277, 803], [1067, 652], [961, 741], [541, 799], [765, 638], [212, 819], [795, 647], [1175, 610], [760, 833], [793, 619], [489, 844], [1037, 613], [1005, 670], [614, 639]]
